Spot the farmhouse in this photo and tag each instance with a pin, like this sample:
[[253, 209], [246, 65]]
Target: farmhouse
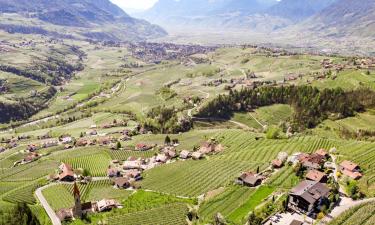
[[32, 156], [308, 196], [81, 142], [185, 154], [277, 163], [107, 204], [197, 155], [316, 175], [162, 158], [122, 182], [66, 172], [113, 172], [32, 147], [322, 152], [143, 147], [65, 214], [249, 179], [51, 143], [66, 140], [170, 153], [133, 174], [313, 161], [104, 141], [207, 147], [132, 164], [351, 169]]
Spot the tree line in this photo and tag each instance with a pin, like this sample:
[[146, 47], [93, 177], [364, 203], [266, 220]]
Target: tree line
[[311, 105]]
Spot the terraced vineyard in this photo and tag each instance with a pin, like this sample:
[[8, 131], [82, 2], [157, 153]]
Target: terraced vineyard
[[29, 172], [97, 164], [124, 154], [362, 214], [363, 154], [174, 214], [61, 195], [24, 193], [243, 152], [284, 179], [239, 215], [193, 178], [226, 202]]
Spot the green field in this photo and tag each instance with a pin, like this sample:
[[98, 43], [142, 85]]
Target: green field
[[239, 215]]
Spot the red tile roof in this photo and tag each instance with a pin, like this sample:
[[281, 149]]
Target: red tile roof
[[348, 165], [315, 175]]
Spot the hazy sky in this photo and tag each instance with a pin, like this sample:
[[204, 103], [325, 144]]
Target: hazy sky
[[135, 4]]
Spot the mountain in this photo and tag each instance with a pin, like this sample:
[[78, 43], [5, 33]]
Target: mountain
[[203, 14], [298, 10], [88, 15], [345, 18]]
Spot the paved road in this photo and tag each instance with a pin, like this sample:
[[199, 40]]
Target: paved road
[[345, 204], [51, 213]]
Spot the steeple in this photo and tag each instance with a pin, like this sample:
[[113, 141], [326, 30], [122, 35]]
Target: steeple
[[77, 210]]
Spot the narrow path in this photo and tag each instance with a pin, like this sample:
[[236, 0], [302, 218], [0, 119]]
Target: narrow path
[[243, 126], [264, 126], [51, 213], [190, 114]]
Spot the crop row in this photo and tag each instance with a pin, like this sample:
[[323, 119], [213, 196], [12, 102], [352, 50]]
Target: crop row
[[174, 214], [97, 164]]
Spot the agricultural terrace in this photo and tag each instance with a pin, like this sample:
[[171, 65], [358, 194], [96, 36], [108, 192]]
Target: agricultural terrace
[[242, 152]]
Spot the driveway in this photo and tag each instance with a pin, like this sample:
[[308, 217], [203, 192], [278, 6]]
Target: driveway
[[345, 204]]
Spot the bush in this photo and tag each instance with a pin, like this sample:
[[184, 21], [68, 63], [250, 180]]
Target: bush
[[273, 133]]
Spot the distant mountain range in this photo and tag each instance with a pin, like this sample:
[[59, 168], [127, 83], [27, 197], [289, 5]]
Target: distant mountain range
[[247, 14], [89, 16], [321, 23]]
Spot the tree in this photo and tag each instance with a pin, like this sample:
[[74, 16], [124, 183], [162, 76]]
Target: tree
[[273, 133], [258, 169], [19, 215], [167, 140], [253, 219], [219, 219], [118, 145], [86, 172]]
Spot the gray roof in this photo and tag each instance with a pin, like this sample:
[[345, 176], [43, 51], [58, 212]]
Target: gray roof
[[311, 191]]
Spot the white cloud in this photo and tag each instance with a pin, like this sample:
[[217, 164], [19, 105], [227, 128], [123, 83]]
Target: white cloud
[[134, 4]]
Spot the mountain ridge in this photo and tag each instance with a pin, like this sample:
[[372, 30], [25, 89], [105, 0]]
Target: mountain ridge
[[87, 14]]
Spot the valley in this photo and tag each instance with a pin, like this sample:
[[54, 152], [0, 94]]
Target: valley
[[107, 119]]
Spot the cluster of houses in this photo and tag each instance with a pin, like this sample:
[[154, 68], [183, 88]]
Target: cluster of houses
[[127, 173], [357, 63], [80, 209], [311, 194], [157, 52]]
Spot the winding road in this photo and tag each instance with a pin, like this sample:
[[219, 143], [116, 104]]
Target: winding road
[[51, 213]]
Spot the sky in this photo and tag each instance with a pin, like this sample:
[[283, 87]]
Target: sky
[[135, 4]]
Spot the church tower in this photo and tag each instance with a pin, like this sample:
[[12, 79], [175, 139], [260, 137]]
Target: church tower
[[77, 210]]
